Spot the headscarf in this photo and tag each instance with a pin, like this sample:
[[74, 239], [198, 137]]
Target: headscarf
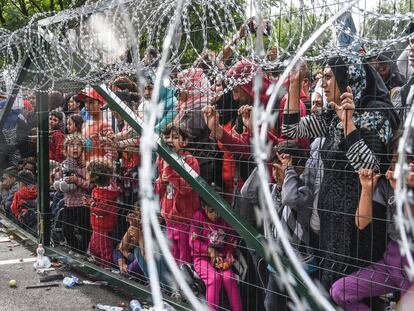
[[349, 71], [395, 78], [242, 73], [367, 86], [196, 83]]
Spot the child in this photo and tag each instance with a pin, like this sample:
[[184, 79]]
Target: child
[[56, 136], [388, 274], [103, 210], [74, 185], [23, 206], [212, 247], [123, 255], [8, 187], [179, 200], [293, 202], [74, 125]]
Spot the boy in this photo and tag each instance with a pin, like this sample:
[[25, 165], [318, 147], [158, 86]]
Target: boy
[[293, 202], [56, 137]]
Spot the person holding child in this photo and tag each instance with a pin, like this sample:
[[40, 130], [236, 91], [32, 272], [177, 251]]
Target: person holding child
[[179, 200], [212, 244]]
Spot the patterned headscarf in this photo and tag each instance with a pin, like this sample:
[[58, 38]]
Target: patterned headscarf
[[349, 71]]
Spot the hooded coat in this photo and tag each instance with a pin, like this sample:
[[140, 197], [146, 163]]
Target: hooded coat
[[104, 209], [342, 246]]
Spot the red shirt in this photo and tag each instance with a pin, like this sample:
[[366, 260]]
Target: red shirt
[[56, 140], [179, 200]]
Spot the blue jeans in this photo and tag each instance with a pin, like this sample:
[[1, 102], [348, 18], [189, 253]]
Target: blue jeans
[[162, 269]]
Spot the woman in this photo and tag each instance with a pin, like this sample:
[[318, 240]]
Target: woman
[[358, 129]]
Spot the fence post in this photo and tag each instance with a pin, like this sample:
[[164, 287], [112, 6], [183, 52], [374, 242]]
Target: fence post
[[43, 200]]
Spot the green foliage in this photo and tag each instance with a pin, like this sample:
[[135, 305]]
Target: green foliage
[[382, 29]]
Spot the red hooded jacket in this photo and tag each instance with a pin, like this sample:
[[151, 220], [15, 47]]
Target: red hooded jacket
[[104, 209], [22, 195], [179, 201]]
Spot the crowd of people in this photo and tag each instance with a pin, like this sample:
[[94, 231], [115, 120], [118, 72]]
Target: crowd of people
[[332, 161]]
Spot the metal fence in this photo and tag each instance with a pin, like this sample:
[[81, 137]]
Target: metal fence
[[71, 167]]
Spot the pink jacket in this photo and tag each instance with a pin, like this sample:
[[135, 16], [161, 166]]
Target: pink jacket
[[179, 200], [204, 233]]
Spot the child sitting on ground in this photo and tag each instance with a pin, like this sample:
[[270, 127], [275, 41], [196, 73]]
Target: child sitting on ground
[[123, 254], [23, 206], [387, 275], [179, 200], [212, 244], [103, 209], [74, 185]]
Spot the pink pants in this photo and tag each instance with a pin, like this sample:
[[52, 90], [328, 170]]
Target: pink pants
[[101, 247], [178, 234], [213, 278]]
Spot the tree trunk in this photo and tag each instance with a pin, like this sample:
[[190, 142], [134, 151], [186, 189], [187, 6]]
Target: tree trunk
[[23, 8], [61, 5]]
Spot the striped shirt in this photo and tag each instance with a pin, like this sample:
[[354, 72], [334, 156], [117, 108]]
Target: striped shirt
[[377, 129]]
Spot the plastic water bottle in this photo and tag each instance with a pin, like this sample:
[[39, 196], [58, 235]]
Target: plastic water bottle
[[40, 261], [135, 305]]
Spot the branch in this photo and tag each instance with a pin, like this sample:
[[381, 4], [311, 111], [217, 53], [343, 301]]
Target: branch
[[36, 5], [19, 8]]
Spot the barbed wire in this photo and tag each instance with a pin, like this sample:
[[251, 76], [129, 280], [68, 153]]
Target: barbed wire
[[88, 44]]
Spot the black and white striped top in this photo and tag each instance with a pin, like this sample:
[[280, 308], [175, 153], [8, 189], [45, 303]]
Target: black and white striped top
[[373, 129]]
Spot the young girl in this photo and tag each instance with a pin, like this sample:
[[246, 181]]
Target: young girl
[[212, 247], [103, 209], [74, 125], [74, 185], [387, 275], [178, 199]]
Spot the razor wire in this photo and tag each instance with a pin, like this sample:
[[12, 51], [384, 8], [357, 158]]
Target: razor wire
[[89, 45], [95, 51]]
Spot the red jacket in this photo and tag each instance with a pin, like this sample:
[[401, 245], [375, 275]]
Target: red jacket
[[56, 140], [22, 195], [179, 200], [104, 209], [240, 143]]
